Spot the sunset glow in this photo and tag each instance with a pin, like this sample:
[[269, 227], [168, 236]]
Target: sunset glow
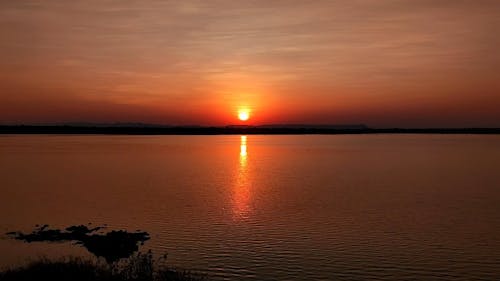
[[380, 63], [251, 140]]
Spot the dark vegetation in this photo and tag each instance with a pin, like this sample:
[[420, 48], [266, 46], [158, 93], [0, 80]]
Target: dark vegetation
[[118, 249], [235, 130], [138, 267]]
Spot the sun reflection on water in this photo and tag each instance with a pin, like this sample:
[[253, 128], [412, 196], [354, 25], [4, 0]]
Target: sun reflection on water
[[242, 190], [243, 150]]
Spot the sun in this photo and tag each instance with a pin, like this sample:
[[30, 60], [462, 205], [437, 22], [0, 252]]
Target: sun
[[243, 114]]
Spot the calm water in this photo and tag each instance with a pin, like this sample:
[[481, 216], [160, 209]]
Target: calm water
[[420, 207]]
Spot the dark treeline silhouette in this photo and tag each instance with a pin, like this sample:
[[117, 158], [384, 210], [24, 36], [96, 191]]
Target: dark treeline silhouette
[[232, 130]]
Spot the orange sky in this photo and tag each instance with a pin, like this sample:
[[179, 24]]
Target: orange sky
[[384, 63]]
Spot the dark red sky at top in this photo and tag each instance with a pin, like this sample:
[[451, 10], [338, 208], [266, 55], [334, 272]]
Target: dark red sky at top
[[383, 63]]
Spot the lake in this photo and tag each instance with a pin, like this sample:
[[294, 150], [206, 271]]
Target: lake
[[257, 207]]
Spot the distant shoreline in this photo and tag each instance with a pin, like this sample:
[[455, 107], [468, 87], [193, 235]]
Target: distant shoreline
[[230, 130]]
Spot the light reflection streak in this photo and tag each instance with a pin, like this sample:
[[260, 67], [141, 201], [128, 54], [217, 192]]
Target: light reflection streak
[[243, 149], [242, 190]]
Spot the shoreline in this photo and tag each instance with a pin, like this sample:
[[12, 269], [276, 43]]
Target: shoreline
[[250, 130]]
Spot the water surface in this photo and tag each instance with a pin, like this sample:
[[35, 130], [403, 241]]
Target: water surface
[[317, 207]]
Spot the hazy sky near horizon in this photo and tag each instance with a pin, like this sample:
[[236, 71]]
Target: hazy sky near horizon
[[384, 63]]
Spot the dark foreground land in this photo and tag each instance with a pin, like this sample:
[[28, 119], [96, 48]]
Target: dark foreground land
[[140, 267], [232, 130], [116, 257]]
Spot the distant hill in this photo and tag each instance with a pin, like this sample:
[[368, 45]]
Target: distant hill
[[317, 126], [101, 125]]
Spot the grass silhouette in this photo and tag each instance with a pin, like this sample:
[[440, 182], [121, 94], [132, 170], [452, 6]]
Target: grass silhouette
[[138, 267]]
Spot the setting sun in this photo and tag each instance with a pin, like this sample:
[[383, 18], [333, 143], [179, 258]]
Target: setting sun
[[243, 115]]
